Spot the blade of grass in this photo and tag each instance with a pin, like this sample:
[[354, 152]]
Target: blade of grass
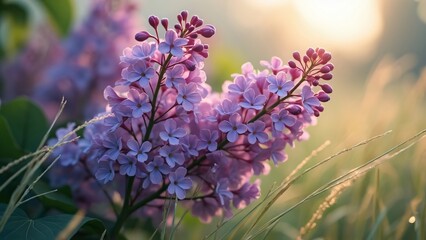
[[376, 225], [354, 173]]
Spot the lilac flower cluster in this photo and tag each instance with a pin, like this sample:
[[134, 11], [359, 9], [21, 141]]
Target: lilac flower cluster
[[171, 137], [86, 63]]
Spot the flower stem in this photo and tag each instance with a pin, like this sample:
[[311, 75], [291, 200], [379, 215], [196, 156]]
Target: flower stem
[[127, 208]]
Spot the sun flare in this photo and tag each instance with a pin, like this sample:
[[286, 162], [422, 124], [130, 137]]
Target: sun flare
[[343, 22]]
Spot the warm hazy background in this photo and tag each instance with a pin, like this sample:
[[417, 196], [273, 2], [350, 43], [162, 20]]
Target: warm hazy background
[[379, 51]]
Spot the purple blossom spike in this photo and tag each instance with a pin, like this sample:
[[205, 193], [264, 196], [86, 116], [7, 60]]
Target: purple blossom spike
[[105, 172], [171, 133], [138, 103], [280, 84], [257, 133], [188, 95], [127, 165], [139, 151], [252, 101], [157, 169], [233, 127], [309, 101], [172, 44], [282, 119], [179, 183], [208, 139], [173, 155]]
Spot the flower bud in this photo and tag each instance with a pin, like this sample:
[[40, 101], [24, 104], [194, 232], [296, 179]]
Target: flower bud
[[294, 109], [305, 59], [194, 20], [165, 23], [198, 48], [326, 88], [190, 29], [292, 64], [323, 97], [320, 52], [154, 21], [309, 52], [190, 65], [178, 27], [325, 58], [193, 35], [184, 15], [199, 23], [325, 69], [142, 36], [327, 76], [207, 31], [296, 56], [314, 56]]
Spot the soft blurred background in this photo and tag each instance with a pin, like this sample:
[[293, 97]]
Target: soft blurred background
[[379, 53]]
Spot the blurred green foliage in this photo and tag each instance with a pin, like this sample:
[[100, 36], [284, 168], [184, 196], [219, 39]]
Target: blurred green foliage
[[16, 20]]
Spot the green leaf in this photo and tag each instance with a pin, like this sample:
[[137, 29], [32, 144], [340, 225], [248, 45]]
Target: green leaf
[[60, 14], [16, 21], [60, 200], [26, 121], [20, 226], [8, 146]]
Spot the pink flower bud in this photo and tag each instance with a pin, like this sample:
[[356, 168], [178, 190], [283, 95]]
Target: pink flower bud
[[154, 21], [198, 48], [184, 15], [191, 28], [323, 97], [179, 18], [296, 56], [294, 109], [309, 52], [314, 56], [190, 65], [305, 59], [142, 36], [327, 76], [193, 35], [165, 23], [330, 65], [194, 20], [199, 23], [320, 52], [292, 64], [178, 27], [325, 58], [325, 69], [326, 88], [207, 31]]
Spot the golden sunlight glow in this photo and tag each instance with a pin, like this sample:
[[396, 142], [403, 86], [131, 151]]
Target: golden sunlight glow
[[349, 26], [343, 22], [412, 219]]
